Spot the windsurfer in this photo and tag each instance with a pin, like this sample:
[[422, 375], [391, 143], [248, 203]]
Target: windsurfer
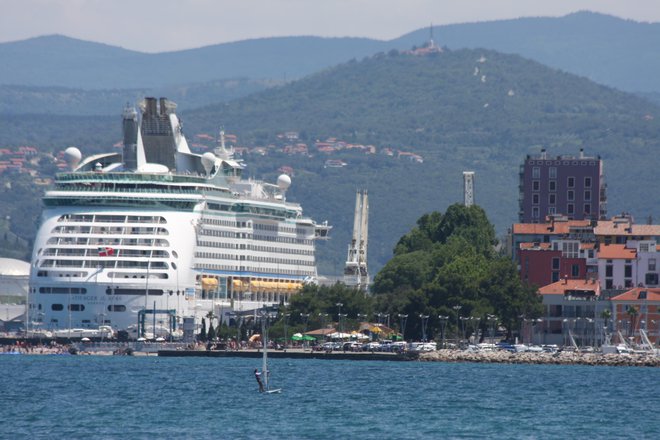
[[257, 375]]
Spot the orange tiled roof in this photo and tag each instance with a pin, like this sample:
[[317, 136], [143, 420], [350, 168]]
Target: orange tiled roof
[[560, 227], [561, 286], [616, 252], [606, 227], [633, 295]]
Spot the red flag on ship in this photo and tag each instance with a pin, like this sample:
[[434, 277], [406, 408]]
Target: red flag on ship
[[106, 251]]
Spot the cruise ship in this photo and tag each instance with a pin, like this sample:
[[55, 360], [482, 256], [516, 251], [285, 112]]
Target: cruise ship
[[153, 235]]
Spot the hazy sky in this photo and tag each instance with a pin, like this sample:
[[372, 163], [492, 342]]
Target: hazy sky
[[165, 25]]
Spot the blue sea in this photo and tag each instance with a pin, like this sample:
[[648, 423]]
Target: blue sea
[[90, 397]]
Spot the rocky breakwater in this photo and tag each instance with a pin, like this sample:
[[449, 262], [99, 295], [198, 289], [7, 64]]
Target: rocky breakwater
[[559, 358]]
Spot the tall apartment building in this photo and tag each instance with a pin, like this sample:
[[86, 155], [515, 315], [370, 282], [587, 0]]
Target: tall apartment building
[[573, 186]]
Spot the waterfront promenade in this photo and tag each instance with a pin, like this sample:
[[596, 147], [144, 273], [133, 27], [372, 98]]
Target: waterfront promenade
[[451, 356]]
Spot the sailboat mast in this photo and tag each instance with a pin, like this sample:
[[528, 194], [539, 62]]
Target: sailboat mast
[[264, 343]]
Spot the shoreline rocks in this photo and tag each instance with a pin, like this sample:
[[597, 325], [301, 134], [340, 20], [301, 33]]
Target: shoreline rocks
[[559, 358]]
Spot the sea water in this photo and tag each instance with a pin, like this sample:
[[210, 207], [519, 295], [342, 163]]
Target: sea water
[[93, 397]]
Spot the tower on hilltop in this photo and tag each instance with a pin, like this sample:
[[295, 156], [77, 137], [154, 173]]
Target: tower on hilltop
[[468, 188]]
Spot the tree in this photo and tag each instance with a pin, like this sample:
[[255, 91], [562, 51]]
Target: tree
[[211, 334], [606, 315], [448, 260], [632, 314], [202, 333]]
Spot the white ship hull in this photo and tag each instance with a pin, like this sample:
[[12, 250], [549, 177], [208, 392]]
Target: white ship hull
[[149, 246]]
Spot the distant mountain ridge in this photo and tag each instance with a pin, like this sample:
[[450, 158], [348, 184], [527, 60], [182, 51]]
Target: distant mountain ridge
[[615, 52]]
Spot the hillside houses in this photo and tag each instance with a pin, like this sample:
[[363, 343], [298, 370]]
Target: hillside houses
[[17, 159], [290, 143]]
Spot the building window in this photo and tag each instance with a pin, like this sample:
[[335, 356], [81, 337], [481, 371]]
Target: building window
[[56, 307], [609, 284], [536, 185], [555, 277], [552, 210], [628, 271], [535, 199], [552, 172], [570, 195], [587, 208], [536, 173], [652, 265], [552, 185], [555, 263], [587, 182], [570, 209], [651, 279], [535, 212], [575, 270], [609, 270], [587, 196], [571, 182], [552, 199]]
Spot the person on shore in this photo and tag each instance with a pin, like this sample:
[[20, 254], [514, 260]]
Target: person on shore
[[257, 375]]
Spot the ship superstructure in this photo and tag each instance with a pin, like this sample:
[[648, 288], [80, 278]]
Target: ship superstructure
[[155, 233]]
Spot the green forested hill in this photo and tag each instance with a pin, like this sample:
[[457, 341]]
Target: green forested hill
[[437, 106], [461, 110]]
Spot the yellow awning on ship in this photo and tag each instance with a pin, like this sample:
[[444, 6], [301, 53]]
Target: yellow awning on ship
[[238, 284], [209, 283]]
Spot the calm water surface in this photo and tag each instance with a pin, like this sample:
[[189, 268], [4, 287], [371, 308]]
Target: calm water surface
[[76, 397]]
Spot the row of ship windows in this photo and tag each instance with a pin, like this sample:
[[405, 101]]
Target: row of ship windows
[[239, 207], [111, 275], [102, 230], [109, 291], [253, 258], [83, 241], [298, 272], [247, 236], [276, 228], [270, 249], [105, 263], [256, 226], [81, 307], [103, 252], [101, 218], [283, 239]]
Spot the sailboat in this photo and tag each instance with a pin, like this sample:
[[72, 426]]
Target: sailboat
[[265, 373]]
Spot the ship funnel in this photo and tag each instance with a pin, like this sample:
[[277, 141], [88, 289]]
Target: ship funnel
[[130, 130]]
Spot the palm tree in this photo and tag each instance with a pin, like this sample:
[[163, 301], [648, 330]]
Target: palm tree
[[606, 315]]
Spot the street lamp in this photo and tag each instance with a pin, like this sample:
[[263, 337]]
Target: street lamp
[[286, 322], [456, 309], [323, 317], [425, 321], [403, 319], [305, 317], [493, 320], [341, 322], [443, 324]]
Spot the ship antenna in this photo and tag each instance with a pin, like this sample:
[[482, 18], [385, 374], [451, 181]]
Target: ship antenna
[[221, 151]]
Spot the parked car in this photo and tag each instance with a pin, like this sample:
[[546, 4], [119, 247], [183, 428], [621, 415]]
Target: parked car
[[371, 346]]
